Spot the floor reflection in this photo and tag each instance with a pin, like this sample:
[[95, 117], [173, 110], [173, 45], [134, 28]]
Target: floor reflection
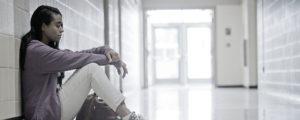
[[194, 102]]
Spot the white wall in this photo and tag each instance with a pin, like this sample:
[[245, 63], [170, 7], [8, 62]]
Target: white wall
[[14, 21], [112, 35], [279, 59], [178, 4], [229, 49], [250, 35], [131, 43]]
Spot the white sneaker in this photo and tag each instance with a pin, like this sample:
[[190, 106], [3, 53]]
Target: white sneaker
[[133, 116]]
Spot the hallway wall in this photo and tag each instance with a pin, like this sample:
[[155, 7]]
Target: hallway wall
[[279, 59], [14, 19], [229, 47], [250, 43], [112, 35], [125, 35], [131, 33]]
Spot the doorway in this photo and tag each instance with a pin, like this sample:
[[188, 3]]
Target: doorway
[[166, 62], [179, 46]]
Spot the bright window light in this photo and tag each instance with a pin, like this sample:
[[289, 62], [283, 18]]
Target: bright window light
[[180, 16]]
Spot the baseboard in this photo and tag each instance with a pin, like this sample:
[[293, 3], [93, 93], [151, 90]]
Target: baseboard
[[229, 86], [253, 87], [15, 118]]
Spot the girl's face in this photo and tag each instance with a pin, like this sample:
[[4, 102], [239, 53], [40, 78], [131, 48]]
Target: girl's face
[[54, 30]]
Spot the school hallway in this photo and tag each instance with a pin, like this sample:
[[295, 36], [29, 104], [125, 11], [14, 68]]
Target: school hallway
[[186, 59]]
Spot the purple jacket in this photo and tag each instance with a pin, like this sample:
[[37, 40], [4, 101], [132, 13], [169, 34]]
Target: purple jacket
[[39, 79]]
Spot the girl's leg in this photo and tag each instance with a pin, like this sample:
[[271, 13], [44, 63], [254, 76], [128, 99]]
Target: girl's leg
[[76, 88]]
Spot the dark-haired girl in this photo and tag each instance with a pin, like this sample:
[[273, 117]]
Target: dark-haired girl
[[42, 65]]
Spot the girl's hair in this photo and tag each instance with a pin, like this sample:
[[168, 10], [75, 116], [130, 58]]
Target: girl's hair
[[43, 14]]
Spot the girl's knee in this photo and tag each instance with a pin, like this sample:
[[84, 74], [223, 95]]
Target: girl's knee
[[92, 65]]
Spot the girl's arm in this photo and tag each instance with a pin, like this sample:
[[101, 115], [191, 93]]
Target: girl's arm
[[97, 50], [49, 60], [101, 50]]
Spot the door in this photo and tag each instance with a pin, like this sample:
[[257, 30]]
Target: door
[[182, 53], [166, 52], [199, 58]]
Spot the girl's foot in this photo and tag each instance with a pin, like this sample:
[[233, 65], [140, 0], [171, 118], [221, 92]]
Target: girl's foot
[[133, 116]]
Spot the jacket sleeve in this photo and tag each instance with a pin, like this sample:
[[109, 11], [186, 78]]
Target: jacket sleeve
[[96, 50], [101, 50], [49, 60]]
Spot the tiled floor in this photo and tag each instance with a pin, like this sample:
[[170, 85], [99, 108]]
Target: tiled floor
[[195, 102]]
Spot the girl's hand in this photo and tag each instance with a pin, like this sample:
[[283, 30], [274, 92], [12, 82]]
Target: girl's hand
[[125, 71], [112, 56]]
